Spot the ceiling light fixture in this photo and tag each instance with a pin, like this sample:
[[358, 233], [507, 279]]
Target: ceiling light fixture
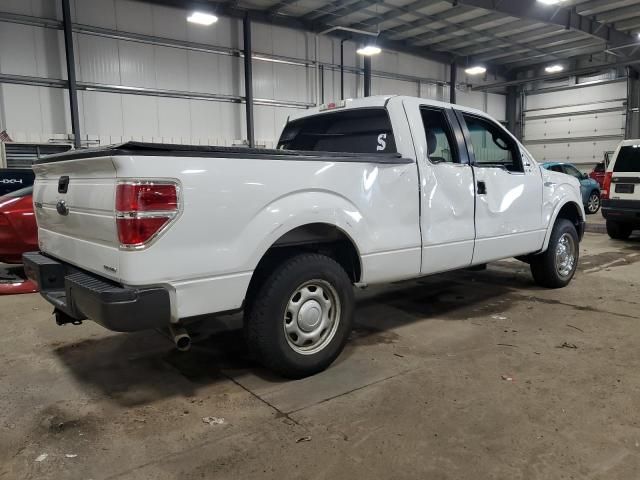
[[369, 50], [554, 68], [202, 18], [477, 70], [551, 2]]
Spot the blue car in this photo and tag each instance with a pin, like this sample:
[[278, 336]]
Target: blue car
[[589, 188]]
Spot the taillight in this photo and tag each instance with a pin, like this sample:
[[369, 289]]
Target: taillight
[[606, 186], [143, 209]]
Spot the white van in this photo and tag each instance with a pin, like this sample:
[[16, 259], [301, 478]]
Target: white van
[[621, 191]]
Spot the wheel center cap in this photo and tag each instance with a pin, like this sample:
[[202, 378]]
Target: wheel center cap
[[309, 316]]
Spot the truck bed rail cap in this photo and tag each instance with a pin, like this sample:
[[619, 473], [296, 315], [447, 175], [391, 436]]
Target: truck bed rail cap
[[206, 151]]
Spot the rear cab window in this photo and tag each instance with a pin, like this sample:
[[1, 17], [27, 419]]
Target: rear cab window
[[363, 130], [628, 159]]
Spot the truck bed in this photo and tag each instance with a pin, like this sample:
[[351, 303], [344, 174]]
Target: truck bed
[[207, 151]]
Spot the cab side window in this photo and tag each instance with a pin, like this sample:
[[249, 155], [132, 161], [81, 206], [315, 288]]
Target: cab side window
[[492, 146], [440, 142]]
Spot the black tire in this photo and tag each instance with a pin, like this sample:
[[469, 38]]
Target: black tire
[[618, 231], [595, 198], [265, 315], [543, 267]]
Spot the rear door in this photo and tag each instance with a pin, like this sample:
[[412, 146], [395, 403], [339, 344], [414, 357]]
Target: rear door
[[508, 192], [625, 180], [446, 193]]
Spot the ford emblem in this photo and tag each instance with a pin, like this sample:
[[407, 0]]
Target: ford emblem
[[62, 208]]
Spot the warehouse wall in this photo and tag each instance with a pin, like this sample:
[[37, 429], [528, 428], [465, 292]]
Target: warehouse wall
[[107, 66], [576, 123]]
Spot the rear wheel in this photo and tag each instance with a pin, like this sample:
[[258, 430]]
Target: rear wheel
[[556, 267], [618, 231], [300, 317], [593, 204]]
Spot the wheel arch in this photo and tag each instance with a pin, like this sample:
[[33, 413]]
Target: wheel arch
[[316, 237], [571, 211]]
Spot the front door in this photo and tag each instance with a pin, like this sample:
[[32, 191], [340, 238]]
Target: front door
[[508, 192], [446, 193]]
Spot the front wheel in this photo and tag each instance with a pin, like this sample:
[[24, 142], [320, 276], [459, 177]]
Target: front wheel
[[593, 204], [556, 267], [301, 316]]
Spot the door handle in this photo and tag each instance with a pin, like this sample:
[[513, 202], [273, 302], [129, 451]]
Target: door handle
[[482, 188]]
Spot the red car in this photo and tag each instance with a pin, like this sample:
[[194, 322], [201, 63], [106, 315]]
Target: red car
[[598, 173], [18, 229], [18, 234]]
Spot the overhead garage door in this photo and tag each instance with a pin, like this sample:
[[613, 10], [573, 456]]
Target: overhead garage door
[[576, 125]]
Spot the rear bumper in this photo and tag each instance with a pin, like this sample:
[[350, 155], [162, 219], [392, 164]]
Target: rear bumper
[[625, 211], [81, 295]]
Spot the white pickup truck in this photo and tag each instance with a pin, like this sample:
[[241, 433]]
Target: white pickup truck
[[145, 236]]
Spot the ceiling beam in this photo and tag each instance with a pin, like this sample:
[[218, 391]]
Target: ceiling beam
[[339, 9], [465, 47], [574, 71], [568, 18], [392, 14]]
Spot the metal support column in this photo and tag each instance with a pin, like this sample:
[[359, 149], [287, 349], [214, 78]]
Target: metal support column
[[513, 97], [367, 76], [71, 72], [453, 77], [248, 78], [342, 69], [321, 84]]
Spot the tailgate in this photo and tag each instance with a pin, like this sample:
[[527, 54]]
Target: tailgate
[[75, 209], [625, 180]]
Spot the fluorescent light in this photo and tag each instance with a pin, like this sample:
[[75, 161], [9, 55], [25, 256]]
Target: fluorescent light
[[369, 50], [477, 70], [551, 2], [202, 18], [554, 68]]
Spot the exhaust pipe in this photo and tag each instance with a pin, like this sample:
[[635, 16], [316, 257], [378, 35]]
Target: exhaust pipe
[[180, 337]]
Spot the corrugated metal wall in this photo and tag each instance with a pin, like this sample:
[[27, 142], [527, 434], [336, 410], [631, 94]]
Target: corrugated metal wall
[[37, 113], [576, 124]]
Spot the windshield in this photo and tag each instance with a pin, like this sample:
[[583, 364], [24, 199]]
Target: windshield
[[628, 159], [23, 192], [365, 130]]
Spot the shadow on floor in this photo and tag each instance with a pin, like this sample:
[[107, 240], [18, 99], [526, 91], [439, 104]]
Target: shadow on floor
[[142, 368]]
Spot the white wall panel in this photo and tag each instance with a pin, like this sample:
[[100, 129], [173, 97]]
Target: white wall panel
[[169, 22], [137, 62], [13, 60], [35, 8], [134, 16], [140, 117], [174, 120], [98, 60], [172, 69], [497, 106], [102, 113], [33, 113], [100, 13]]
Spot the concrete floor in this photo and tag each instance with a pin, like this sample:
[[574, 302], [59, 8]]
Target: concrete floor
[[469, 375]]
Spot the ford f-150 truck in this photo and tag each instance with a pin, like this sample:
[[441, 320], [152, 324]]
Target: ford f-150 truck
[[145, 236]]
